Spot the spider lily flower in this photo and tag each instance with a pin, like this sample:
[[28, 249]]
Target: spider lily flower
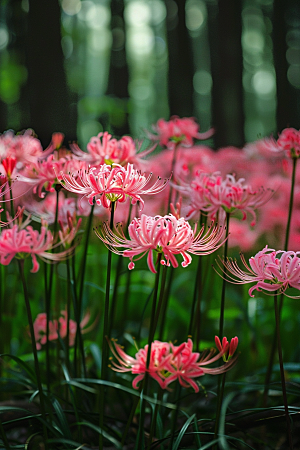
[[24, 148], [58, 328], [289, 141], [230, 348], [161, 234], [210, 193], [68, 233], [169, 363], [21, 243], [111, 183], [104, 149], [43, 174], [271, 270], [178, 130]]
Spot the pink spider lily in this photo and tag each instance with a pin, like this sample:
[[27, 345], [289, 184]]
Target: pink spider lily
[[271, 270], [178, 130], [111, 183], [169, 363], [43, 174], [21, 243], [104, 149], [231, 347], [210, 193], [25, 148], [68, 233], [289, 141], [58, 328], [161, 234]]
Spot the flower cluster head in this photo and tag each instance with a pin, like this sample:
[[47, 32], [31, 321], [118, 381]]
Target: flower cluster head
[[165, 235], [271, 270], [57, 328], [289, 141], [111, 183], [177, 130], [169, 362], [104, 149], [22, 241], [211, 193], [228, 348]]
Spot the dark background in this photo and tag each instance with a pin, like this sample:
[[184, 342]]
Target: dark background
[[73, 66]]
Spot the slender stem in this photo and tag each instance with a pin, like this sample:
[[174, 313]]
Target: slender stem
[[222, 309], [150, 340], [165, 304], [286, 243], [79, 337], [105, 331], [287, 233], [154, 418], [115, 294], [221, 384], [286, 408], [175, 414], [219, 403], [161, 298], [196, 295], [68, 314], [177, 144], [136, 402], [33, 342]]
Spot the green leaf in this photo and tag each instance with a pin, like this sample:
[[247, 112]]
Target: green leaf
[[182, 431]]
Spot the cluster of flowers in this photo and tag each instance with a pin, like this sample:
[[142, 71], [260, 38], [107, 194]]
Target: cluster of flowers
[[110, 174], [58, 328], [169, 362]]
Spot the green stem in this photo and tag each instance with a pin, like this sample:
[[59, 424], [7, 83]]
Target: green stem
[[105, 331], [154, 418], [175, 414], [165, 304], [222, 309], [79, 337], [150, 340], [287, 233], [161, 298], [219, 403], [286, 408], [172, 171], [115, 294], [130, 418], [33, 342], [286, 243]]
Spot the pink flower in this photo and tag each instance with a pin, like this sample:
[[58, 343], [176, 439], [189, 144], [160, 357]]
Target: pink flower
[[161, 234], [43, 175], [104, 149], [229, 348], [57, 328], [289, 141], [211, 194], [111, 184], [169, 363], [177, 130], [68, 233], [21, 243], [40, 327], [25, 148], [271, 270]]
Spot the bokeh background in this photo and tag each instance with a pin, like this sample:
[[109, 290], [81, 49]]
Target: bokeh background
[[83, 66]]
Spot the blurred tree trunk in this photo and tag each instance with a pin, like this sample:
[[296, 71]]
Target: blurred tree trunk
[[225, 29], [181, 69], [287, 113], [118, 72], [50, 104]]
